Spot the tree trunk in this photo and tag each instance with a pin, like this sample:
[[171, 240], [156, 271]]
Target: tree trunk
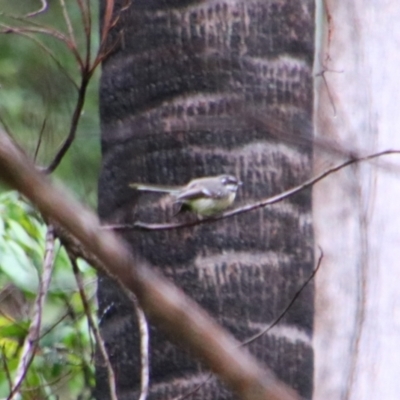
[[186, 94], [356, 212]]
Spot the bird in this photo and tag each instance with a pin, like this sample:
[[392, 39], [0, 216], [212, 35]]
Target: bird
[[206, 196]]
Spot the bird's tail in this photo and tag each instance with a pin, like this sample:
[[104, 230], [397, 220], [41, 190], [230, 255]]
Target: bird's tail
[[144, 187]]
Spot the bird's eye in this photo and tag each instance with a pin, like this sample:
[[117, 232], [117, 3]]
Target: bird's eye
[[229, 180]]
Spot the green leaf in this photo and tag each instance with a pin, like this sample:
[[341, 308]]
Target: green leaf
[[18, 267], [12, 330]]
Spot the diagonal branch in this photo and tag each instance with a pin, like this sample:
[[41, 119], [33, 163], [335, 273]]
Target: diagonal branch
[[44, 30], [165, 305], [73, 128], [287, 308], [68, 22], [264, 331]]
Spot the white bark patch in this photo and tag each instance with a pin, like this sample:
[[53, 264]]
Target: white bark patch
[[291, 333], [188, 381], [218, 267]]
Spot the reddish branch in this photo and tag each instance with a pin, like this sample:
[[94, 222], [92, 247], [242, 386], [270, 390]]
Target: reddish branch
[[167, 306]]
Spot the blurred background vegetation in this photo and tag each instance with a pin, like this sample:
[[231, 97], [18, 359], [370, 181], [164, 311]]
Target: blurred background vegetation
[[36, 104], [35, 92]]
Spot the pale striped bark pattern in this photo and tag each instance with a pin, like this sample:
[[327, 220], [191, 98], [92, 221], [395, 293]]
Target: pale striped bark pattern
[[175, 99]]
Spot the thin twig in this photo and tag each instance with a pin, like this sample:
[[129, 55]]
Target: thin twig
[[106, 26], [144, 346], [50, 328], [322, 74], [94, 328], [286, 309], [40, 139], [86, 69], [68, 22], [46, 385], [195, 390], [39, 29], [107, 21], [34, 29], [52, 56], [89, 15], [88, 36], [32, 339], [144, 341], [85, 14], [248, 207], [37, 12], [266, 330], [73, 127]]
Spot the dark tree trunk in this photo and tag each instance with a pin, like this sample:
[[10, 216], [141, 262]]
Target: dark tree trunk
[[178, 99]]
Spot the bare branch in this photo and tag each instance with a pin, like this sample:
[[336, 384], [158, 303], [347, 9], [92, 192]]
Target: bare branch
[[34, 29], [166, 305], [294, 298], [73, 127], [37, 12], [107, 21], [196, 389], [87, 22], [67, 20], [39, 29], [39, 139], [253, 206], [322, 74], [32, 339], [264, 331], [85, 68], [51, 55], [144, 346]]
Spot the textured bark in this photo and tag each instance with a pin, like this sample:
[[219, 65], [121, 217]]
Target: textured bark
[[175, 101]]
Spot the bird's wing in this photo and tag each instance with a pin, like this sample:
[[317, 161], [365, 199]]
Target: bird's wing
[[194, 193]]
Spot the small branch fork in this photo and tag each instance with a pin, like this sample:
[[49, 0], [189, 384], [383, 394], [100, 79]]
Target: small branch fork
[[86, 66]]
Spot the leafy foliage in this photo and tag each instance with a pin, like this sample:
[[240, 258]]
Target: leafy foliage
[[63, 364]]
